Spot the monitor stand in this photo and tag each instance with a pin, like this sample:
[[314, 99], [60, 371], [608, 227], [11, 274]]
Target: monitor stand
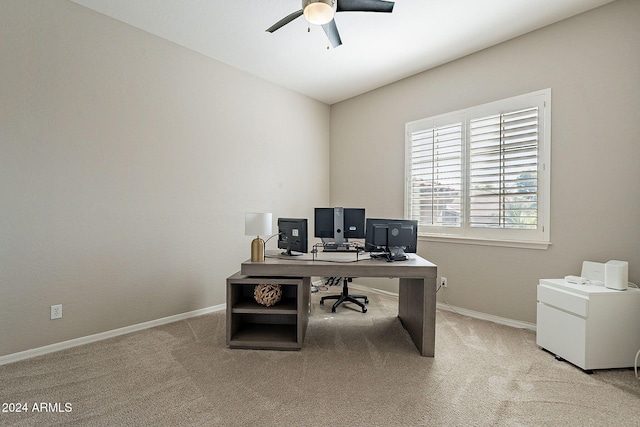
[[289, 253], [392, 254], [398, 254]]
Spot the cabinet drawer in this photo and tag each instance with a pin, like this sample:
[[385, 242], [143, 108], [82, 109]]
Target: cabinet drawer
[[564, 300], [563, 334]]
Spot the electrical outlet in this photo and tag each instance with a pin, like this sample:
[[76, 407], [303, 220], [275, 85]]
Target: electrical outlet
[[56, 311], [443, 282]]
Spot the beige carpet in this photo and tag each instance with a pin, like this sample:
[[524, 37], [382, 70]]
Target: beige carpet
[[354, 370]]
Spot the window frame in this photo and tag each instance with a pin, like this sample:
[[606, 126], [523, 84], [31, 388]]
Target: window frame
[[538, 238]]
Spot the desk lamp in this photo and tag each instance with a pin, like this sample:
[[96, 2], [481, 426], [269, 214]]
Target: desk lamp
[[256, 224]]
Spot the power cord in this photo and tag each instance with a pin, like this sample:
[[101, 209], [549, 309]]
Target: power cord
[[444, 297], [277, 234], [635, 364], [333, 281]]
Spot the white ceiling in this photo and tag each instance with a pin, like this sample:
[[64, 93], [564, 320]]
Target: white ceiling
[[377, 49]]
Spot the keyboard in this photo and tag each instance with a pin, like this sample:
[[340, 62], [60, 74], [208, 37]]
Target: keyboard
[[339, 248]]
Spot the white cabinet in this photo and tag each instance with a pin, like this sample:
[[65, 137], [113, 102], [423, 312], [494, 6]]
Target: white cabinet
[[591, 326]]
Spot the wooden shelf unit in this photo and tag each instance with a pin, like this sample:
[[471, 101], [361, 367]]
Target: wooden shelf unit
[[279, 327]]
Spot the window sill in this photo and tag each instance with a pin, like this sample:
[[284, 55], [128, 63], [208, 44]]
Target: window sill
[[521, 244]]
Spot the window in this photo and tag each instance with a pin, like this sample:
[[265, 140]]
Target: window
[[481, 175]]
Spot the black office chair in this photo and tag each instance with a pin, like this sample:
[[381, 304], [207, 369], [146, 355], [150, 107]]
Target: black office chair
[[345, 296]]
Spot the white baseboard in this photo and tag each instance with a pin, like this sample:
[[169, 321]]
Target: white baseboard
[[27, 354], [470, 313], [489, 317]]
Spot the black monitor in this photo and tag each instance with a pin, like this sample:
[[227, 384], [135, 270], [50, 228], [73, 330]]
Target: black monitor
[[292, 235], [354, 223], [385, 235], [323, 223], [338, 224]]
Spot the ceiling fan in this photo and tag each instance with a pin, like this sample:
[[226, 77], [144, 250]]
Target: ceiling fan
[[321, 12]]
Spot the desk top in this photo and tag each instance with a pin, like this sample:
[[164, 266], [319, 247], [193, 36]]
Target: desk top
[[338, 264]]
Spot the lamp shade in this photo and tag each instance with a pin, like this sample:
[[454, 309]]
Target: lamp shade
[[318, 12], [257, 224]]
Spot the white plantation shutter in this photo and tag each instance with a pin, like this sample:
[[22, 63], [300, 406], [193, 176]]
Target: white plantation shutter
[[482, 174], [436, 175], [503, 167]]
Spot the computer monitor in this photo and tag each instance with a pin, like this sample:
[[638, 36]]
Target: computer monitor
[[354, 223], [338, 225], [323, 223], [292, 235], [384, 235]]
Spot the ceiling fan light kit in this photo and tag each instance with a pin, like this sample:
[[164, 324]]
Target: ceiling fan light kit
[[319, 12], [322, 12]]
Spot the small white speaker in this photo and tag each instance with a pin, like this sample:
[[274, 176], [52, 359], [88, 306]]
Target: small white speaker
[[616, 274]]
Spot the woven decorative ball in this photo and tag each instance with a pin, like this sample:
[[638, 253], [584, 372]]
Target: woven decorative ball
[[267, 294]]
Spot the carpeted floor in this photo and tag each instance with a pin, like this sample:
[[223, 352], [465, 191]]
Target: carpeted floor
[[354, 370]]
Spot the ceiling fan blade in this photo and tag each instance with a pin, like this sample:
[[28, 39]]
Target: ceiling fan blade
[[331, 30], [365, 6], [284, 21]]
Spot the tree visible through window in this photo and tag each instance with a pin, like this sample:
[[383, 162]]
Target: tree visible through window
[[503, 170], [482, 172]]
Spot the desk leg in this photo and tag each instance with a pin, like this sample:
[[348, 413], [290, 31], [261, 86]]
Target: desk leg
[[417, 312]]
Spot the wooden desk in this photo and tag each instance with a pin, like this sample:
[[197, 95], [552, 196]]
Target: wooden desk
[[417, 289]]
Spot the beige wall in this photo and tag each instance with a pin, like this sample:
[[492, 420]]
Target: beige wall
[[127, 164], [592, 65]]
